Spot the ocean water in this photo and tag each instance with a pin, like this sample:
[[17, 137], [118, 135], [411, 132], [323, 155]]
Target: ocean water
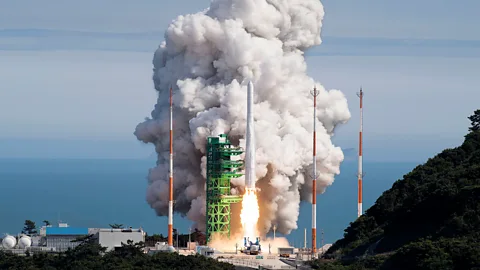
[[95, 193]]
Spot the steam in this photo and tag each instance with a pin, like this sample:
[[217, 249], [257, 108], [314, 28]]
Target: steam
[[208, 58]]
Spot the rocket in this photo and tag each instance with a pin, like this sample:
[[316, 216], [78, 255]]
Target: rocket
[[170, 177], [250, 176]]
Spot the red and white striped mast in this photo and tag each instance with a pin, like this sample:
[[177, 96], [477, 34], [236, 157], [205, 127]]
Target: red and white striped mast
[[170, 175], [314, 93], [360, 153]]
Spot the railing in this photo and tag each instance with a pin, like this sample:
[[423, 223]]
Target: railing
[[224, 175], [249, 261], [241, 262], [229, 163], [230, 151]]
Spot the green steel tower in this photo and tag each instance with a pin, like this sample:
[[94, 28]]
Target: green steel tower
[[220, 170]]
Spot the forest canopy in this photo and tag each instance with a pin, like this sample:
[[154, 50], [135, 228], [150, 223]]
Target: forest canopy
[[430, 219]]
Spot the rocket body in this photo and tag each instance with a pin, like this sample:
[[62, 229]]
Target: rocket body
[[250, 176], [250, 210], [170, 176]]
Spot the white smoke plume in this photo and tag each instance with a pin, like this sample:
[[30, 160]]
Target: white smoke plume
[[208, 58]]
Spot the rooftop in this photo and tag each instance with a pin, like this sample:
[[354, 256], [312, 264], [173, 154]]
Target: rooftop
[[66, 231]]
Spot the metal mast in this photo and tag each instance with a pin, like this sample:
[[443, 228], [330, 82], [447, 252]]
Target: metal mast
[[360, 153], [314, 93]]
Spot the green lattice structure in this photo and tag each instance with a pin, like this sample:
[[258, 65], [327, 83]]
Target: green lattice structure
[[220, 170]]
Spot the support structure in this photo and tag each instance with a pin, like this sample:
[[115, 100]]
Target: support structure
[[170, 176], [305, 239], [220, 170], [360, 161], [323, 244], [314, 93]]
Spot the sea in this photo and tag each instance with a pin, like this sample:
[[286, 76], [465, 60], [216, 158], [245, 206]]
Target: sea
[[97, 192]]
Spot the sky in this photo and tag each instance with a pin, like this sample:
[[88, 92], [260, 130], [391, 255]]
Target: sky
[[76, 75]]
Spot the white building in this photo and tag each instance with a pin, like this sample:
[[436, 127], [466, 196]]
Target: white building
[[113, 238]]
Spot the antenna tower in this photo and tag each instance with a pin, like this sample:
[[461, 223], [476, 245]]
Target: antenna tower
[[360, 160], [314, 93]]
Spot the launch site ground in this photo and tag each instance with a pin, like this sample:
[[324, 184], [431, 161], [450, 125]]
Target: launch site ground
[[269, 261], [261, 261]]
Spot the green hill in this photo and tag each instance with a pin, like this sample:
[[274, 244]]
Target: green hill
[[428, 220]]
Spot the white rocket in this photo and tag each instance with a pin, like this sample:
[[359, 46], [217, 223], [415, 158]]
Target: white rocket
[[250, 176]]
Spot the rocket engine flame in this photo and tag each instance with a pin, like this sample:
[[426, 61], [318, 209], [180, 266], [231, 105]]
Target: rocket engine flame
[[250, 213], [208, 57]]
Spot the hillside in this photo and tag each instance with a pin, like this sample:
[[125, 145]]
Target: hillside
[[428, 220]]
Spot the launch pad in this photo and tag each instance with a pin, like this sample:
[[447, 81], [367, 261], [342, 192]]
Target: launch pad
[[220, 170]]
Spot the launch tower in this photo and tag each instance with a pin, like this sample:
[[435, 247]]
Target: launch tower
[[220, 170]]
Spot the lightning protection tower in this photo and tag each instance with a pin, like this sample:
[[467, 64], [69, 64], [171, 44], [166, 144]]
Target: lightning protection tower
[[220, 170], [360, 173]]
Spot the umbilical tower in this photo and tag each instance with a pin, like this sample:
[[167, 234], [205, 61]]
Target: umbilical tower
[[220, 170]]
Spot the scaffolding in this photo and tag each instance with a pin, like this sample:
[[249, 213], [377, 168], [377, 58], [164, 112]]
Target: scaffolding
[[220, 170]]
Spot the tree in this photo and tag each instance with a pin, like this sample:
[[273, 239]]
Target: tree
[[116, 226], [130, 249], [427, 220], [423, 254], [175, 236], [84, 239], [30, 227], [46, 222], [475, 118], [93, 256], [199, 237]]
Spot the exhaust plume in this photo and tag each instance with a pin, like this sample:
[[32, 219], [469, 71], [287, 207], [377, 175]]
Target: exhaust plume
[[209, 57]]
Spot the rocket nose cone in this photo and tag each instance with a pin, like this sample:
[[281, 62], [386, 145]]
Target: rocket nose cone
[[250, 84]]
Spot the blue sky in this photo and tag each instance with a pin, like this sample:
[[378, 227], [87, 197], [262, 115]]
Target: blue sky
[[76, 76]]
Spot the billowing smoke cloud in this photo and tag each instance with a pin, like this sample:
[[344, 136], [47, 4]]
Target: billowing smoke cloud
[[208, 58]]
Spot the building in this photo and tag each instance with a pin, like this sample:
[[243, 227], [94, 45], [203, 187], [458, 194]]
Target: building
[[113, 238], [61, 238], [64, 237]]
